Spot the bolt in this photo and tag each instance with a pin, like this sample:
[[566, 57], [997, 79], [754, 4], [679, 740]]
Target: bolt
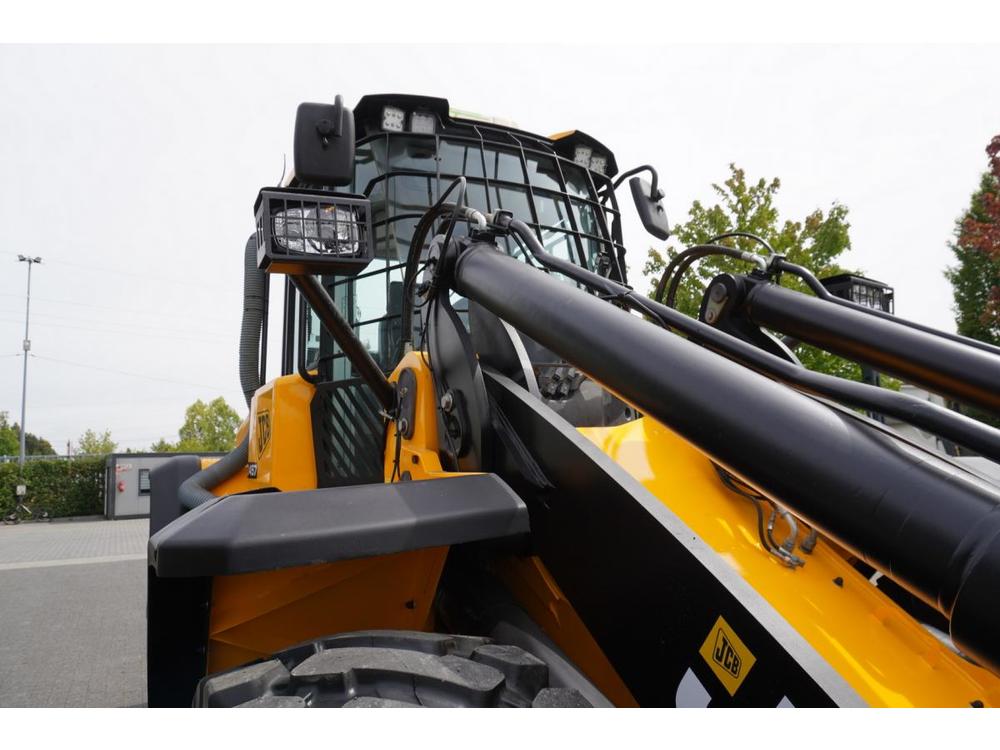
[[710, 316], [447, 401], [717, 293], [404, 426]]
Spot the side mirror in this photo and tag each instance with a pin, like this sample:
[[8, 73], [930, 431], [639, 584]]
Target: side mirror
[[651, 211], [324, 144]]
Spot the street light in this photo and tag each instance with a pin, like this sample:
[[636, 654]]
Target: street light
[[27, 348]]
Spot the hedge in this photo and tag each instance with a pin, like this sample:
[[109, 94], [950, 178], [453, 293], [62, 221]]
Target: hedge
[[62, 487]]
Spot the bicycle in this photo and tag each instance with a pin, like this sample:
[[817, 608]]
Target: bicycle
[[14, 516]]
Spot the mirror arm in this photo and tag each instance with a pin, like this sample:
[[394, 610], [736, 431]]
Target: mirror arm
[[654, 191]]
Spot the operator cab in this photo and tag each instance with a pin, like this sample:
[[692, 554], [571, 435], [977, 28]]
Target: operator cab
[[408, 150]]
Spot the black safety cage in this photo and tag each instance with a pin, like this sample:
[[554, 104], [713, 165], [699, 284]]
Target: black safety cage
[[572, 210]]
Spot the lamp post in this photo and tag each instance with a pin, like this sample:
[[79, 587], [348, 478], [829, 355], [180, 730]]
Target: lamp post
[[27, 348]]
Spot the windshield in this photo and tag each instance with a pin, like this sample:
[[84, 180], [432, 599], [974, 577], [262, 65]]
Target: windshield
[[403, 174]]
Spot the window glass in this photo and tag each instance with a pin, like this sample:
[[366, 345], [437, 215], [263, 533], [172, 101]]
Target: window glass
[[592, 249], [577, 182], [413, 153], [460, 159], [542, 172], [366, 165], [586, 218], [504, 165], [475, 196], [379, 206], [514, 200], [382, 340], [370, 297], [143, 481], [411, 193], [560, 244], [551, 210]]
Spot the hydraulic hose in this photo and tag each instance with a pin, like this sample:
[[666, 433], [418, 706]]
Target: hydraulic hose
[[254, 289], [967, 432], [197, 489], [684, 259]]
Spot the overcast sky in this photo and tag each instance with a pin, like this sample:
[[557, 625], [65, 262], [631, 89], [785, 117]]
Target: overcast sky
[[132, 171]]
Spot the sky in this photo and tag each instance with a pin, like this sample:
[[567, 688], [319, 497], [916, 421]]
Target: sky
[[132, 171]]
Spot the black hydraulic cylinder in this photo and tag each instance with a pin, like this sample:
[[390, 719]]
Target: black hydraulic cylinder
[[942, 365], [945, 423], [921, 520]]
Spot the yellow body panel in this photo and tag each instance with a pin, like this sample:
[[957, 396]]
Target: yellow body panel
[[419, 453], [883, 653], [281, 442], [256, 614]]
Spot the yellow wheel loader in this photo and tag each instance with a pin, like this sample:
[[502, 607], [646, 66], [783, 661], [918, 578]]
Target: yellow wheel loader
[[493, 474]]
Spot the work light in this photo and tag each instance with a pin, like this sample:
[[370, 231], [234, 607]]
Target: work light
[[423, 122], [861, 291], [599, 163], [311, 231], [393, 118]]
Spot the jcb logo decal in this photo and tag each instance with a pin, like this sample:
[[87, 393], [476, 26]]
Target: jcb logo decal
[[727, 655], [263, 431]]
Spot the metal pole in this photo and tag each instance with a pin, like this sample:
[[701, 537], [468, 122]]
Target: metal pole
[[26, 346]]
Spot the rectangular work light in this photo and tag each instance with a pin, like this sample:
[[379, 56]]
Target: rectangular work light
[[861, 291], [312, 231]]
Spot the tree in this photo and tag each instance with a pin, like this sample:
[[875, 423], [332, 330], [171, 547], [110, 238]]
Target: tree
[[209, 427], [816, 242], [96, 444], [163, 446], [975, 279], [9, 441], [36, 446]]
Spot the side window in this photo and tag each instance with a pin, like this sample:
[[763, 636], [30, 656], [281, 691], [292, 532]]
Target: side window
[[143, 481]]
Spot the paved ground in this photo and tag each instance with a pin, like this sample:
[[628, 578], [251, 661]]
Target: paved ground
[[72, 613]]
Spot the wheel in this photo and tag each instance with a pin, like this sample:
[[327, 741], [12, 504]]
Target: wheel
[[12, 518], [390, 668]]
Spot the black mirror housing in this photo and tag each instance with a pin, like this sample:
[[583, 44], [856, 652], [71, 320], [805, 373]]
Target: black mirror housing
[[324, 144], [651, 211]]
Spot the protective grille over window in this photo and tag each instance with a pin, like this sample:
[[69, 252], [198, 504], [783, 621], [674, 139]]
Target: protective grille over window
[[403, 174]]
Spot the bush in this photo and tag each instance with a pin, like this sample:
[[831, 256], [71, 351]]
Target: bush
[[62, 487]]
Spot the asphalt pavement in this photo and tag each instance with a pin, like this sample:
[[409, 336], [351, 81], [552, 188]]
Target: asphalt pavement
[[72, 613]]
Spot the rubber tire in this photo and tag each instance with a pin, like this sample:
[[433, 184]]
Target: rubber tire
[[390, 668]]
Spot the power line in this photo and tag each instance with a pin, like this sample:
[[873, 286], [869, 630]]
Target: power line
[[158, 278], [130, 374], [132, 332], [130, 310], [138, 326]]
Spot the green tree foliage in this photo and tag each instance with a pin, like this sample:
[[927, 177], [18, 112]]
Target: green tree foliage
[[207, 427], [10, 440], [975, 278], [163, 446], [816, 242], [96, 443], [36, 446]]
